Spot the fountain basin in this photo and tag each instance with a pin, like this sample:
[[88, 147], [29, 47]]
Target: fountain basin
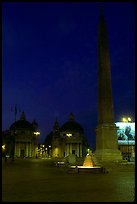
[[85, 169]]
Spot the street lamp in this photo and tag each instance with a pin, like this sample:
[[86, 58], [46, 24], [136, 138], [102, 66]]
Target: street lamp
[[3, 147], [49, 150], [13, 136], [127, 119]]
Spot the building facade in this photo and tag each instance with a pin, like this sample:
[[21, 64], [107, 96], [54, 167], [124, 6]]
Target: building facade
[[67, 139], [22, 138]]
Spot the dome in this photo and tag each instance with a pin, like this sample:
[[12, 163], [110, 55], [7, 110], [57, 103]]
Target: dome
[[71, 125], [21, 124]]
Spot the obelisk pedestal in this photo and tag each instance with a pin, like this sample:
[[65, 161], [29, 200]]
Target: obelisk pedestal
[[106, 144]]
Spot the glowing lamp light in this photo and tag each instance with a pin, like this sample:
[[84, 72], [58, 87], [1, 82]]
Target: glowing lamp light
[[69, 134], [126, 120], [36, 133], [3, 146]]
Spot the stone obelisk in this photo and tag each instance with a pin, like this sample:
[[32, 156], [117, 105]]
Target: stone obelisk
[[106, 131]]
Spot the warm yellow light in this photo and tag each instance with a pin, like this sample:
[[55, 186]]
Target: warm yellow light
[[42, 145], [126, 119], [49, 146], [3, 146], [36, 133], [69, 134], [56, 151]]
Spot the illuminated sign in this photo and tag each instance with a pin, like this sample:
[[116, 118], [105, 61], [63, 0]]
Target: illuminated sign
[[126, 133]]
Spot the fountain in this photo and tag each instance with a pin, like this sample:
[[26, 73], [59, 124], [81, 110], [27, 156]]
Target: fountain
[[88, 162], [88, 166]]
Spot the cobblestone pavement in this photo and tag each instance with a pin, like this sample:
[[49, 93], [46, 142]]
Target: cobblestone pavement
[[31, 180]]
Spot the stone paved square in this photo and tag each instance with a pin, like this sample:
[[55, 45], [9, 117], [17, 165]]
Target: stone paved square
[[38, 180]]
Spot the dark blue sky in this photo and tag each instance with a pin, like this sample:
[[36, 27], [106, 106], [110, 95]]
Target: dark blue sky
[[50, 62]]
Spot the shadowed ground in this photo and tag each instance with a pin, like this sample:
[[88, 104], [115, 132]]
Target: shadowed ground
[[39, 180]]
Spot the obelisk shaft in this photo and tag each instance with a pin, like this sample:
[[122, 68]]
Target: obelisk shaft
[[105, 102]]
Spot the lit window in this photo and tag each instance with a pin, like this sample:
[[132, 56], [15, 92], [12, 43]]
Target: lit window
[[36, 133], [68, 134]]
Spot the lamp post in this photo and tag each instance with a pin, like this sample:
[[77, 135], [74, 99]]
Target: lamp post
[[128, 119], [36, 133], [14, 133], [49, 150]]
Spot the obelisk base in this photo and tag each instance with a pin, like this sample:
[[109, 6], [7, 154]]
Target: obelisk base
[[106, 144], [108, 155]]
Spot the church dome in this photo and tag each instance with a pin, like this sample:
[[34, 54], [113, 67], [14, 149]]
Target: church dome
[[72, 126], [22, 123]]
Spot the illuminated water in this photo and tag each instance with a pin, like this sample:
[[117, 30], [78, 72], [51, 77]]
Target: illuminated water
[[88, 162]]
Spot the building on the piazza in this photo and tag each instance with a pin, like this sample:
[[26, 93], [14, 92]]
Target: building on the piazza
[[67, 139], [126, 139], [21, 140]]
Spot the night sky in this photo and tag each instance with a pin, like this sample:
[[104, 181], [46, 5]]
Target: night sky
[[50, 62]]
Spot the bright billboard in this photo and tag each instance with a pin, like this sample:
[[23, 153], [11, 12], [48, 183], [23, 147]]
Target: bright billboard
[[126, 133]]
